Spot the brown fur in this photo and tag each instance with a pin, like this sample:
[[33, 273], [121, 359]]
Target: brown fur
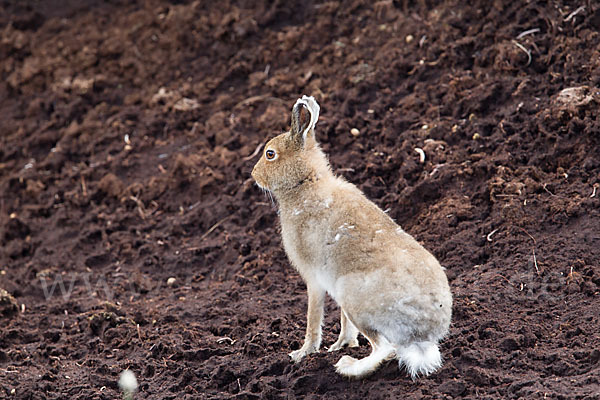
[[388, 286]]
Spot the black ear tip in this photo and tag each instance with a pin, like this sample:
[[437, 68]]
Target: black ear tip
[[298, 106]]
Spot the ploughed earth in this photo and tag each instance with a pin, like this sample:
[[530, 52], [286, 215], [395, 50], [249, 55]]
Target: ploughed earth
[[132, 236]]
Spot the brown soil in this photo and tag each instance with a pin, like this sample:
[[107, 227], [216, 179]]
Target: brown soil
[[127, 139]]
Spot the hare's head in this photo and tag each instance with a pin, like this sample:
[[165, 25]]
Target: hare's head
[[292, 158]]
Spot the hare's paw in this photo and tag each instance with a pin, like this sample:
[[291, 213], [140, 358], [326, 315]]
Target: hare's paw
[[345, 366], [341, 342], [298, 355]]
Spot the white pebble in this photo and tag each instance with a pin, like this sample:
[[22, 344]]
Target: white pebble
[[354, 132], [171, 281], [127, 381]]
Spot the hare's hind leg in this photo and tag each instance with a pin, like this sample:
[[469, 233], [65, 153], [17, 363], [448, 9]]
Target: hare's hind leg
[[381, 351], [348, 334]]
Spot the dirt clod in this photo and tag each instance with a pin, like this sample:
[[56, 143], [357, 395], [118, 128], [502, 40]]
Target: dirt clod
[[111, 185], [8, 304]]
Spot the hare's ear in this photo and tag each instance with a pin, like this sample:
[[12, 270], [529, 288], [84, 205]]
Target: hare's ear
[[300, 131]]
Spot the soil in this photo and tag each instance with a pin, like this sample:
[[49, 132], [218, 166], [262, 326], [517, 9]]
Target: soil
[[129, 130]]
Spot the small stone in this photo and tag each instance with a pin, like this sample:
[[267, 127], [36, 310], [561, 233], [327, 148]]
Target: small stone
[[171, 281], [454, 128], [425, 127], [409, 38], [476, 136], [354, 132]]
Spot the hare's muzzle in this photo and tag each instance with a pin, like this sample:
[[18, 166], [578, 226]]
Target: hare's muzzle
[[255, 176]]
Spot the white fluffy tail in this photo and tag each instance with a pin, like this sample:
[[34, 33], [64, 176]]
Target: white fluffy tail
[[419, 358]]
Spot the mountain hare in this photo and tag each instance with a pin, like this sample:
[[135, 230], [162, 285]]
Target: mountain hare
[[389, 288]]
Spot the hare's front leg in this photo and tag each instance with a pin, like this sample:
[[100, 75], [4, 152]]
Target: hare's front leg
[[314, 319], [348, 334]]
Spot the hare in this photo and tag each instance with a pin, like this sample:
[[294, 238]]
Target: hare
[[389, 288]]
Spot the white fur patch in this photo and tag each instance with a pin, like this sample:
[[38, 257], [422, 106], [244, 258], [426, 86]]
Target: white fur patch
[[420, 358], [351, 367], [326, 281]]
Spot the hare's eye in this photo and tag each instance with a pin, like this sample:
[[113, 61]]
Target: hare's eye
[[270, 155]]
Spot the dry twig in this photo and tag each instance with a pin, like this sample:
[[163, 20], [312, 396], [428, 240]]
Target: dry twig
[[574, 13], [546, 189], [421, 154], [251, 156], [226, 339], [83, 186], [140, 205], [212, 228], [489, 235], [527, 32], [520, 46], [537, 270]]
